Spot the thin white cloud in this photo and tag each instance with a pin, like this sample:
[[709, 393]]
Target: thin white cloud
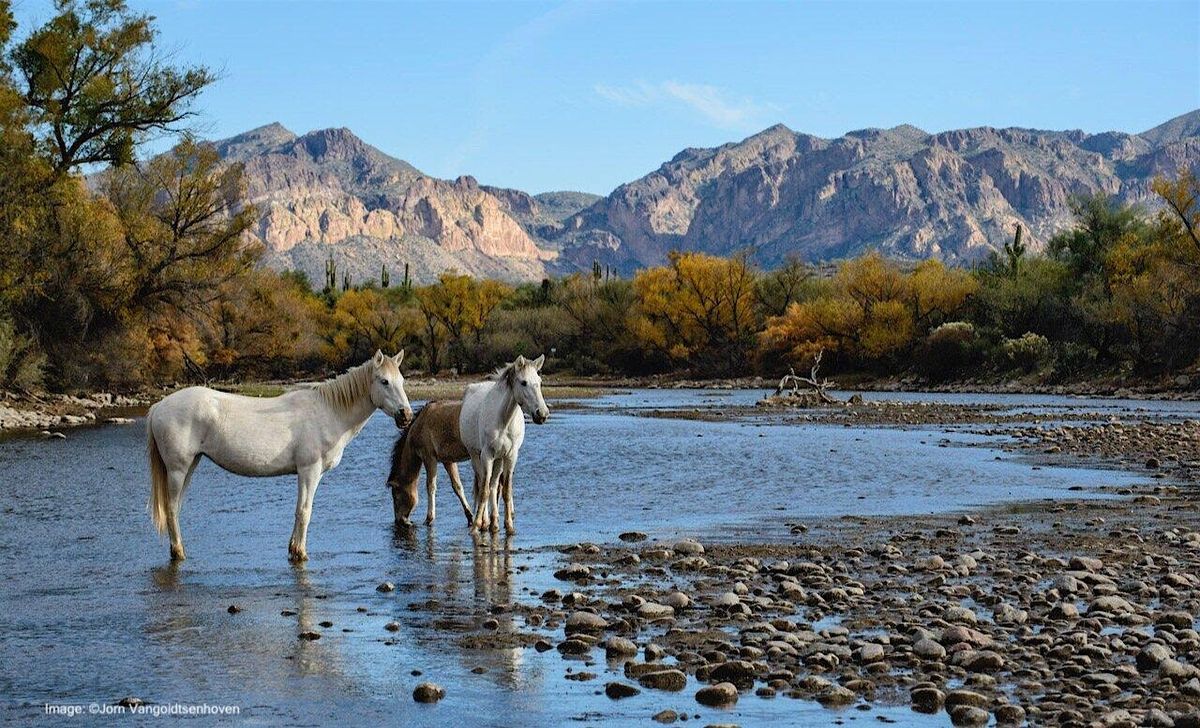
[[716, 105]]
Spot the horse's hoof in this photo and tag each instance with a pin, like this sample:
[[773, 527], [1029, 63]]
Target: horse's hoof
[[177, 554], [428, 521]]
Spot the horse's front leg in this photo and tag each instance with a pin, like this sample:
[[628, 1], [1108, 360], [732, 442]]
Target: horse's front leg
[[456, 483], [431, 491], [494, 494], [483, 475], [307, 478]]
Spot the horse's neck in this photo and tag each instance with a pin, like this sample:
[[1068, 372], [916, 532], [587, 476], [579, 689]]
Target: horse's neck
[[502, 403], [353, 418], [406, 466]]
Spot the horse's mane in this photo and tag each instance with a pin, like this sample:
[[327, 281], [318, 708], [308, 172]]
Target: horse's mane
[[345, 389], [504, 373], [398, 448]]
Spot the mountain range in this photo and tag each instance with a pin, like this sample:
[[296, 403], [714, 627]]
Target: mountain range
[[778, 194]]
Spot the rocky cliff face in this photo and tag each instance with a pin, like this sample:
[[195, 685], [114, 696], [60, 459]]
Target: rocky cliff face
[[329, 192], [955, 195]]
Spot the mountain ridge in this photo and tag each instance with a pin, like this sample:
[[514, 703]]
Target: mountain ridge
[[955, 194]]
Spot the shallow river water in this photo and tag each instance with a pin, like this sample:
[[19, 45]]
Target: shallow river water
[[91, 610]]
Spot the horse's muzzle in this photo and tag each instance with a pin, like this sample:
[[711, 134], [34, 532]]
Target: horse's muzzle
[[402, 419], [540, 416]]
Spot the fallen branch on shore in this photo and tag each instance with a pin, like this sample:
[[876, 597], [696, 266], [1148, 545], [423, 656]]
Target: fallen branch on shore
[[817, 388]]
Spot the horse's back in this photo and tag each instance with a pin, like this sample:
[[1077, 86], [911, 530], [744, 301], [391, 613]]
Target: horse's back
[[245, 435], [443, 432]]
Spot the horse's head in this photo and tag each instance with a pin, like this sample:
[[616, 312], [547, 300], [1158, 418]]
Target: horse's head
[[526, 384], [387, 388]]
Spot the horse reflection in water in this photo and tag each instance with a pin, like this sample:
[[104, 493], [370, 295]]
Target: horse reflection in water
[[493, 592], [205, 639]]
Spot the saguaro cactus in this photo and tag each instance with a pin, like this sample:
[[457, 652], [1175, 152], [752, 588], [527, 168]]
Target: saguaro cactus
[[1014, 251], [384, 278], [330, 274]]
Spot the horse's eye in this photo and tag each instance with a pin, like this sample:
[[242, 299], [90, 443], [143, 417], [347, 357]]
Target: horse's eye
[[383, 382]]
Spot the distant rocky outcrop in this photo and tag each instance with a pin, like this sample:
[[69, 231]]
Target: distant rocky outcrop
[[954, 195], [329, 192]]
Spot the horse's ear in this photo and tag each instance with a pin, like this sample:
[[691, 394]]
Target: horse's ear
[[520, 362], [378, 358], [399, 357], [537, 363]]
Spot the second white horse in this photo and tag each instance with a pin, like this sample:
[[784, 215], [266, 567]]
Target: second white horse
[[492, 424]]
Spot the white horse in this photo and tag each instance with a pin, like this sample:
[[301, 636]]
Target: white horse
[[493, 428], [302, 432]]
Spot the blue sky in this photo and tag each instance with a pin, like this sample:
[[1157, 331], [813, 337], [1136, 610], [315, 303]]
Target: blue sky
[[548, 96]]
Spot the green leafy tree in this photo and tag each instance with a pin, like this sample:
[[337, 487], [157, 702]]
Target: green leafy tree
[[96, 87]]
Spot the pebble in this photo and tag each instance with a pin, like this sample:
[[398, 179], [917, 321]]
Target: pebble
[[428, 692], [573, 572], [652, 611], [385, 587], [688, 547], [620, 647], [927, 699], [678, 601], [618, 690], [966, 715], [585, 622], [719, 695], [672, 680], [928, 649]]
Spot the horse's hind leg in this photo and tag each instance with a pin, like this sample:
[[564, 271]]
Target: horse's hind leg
[[431, 491], [307, 479], [506, 478], [456, 483], [178, 479]]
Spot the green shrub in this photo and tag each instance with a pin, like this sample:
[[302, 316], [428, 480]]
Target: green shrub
[[949, 350], [1029, 353]]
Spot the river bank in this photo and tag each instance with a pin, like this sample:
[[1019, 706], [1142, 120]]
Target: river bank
[[51, 413]]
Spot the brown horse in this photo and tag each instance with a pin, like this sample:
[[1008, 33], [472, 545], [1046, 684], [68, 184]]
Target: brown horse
[[432, 438]]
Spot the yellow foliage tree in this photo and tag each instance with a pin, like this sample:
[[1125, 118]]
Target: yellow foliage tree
[[461, 306], [871, 310], [698, 310], [365, 320]]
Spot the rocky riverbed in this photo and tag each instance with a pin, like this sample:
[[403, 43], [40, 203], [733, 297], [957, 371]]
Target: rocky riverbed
[[1066, 613]]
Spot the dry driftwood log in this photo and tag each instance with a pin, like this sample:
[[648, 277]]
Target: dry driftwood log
[[816, 387]]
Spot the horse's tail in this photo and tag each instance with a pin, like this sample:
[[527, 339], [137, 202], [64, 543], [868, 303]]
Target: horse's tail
[[158, 478]]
